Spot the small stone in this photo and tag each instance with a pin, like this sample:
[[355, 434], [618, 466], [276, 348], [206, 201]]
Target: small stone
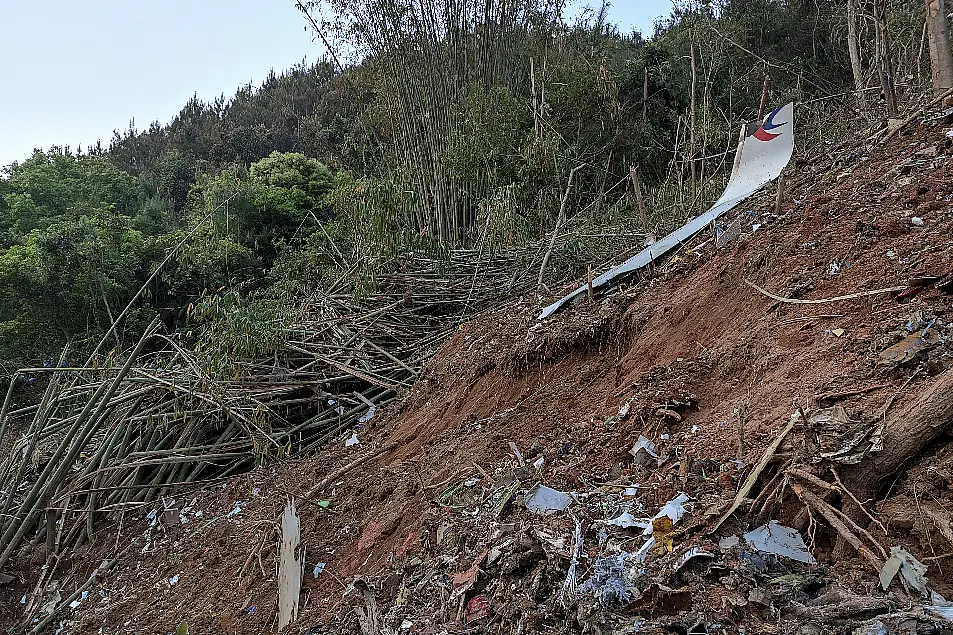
[[916, 221]]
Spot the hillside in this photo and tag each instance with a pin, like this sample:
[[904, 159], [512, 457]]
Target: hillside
[[432, 535]]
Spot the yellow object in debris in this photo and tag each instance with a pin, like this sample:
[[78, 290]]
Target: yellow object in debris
[[663, 529]]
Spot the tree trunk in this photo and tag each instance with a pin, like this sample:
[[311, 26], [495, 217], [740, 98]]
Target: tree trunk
[[938, 36], [906, 434], [885, 64], [645, 96], [764, 97], [854, 51], [691, 125]]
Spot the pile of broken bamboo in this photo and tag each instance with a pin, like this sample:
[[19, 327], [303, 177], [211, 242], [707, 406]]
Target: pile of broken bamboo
[[110, 438]]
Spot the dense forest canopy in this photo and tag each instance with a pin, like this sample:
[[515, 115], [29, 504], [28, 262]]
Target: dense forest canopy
[[430, 126]]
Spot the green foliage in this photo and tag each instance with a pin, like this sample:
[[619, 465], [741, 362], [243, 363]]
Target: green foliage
[[79, 236], [174, 176], [58, 184], [60, 281], [233, 329]]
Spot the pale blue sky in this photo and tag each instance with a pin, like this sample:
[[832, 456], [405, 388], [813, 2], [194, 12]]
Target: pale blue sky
[[74, 71]]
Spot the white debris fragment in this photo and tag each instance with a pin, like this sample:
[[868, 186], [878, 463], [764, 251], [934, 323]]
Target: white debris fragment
[[912, 570], [75, 603], [627, 520], [943, 611], [538, 463], [916, 221], [517, 453], [644, 452], [546, 500], [624, 410], [674, 509], [290, 567], [352, 440], [691, 554], [173, 579], [236, 509], [367, 416], [779, 540]]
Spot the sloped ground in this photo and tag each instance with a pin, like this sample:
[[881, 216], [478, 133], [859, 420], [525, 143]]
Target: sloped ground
[[703, 365]]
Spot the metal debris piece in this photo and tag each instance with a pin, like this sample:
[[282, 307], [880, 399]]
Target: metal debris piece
[[75, 603], [626, 520], [626, 407], [843, 439], [729, 542], [367, 416], [674, 509], [945, 612], [612, 579], [873, 627], [760, 159], [694, 553], [909, 347], [667, 413], [775, 538], [912, 570], [290, 567], [477, 608], [171, 517], [367, 616], [569, 584], [644, 452], [517, 453], [463, 582], [546, 500]]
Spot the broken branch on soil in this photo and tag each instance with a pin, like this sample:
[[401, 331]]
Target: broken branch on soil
[[852, 296], [813, 501]]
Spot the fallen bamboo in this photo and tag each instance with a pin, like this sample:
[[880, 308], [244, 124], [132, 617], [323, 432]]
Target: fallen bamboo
[[144, 425]]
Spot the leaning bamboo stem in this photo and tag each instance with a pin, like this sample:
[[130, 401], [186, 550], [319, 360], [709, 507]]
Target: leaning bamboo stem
[[559, 220]]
